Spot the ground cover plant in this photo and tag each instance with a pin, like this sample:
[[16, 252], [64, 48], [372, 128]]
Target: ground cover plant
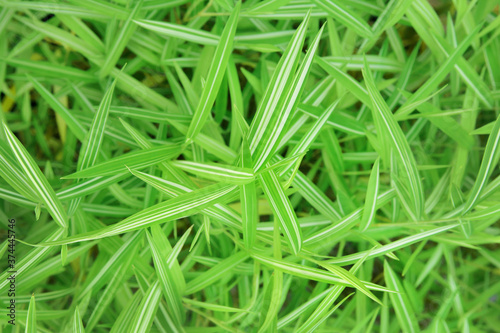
[[265, 166]]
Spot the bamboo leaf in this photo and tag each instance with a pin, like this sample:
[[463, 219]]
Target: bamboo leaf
[[120, 41], [218, 172], [310, 273], [282, 209], [147, 309], [392, 246], [167, 281], [215, 75], [371, 197], [183, 205], [488, 164], [136, 160], [281, 117], [248, 198], [400, 301], [278, 86], [391, 132], [347, 17], [215, 273], [31, 317], [77, 322], [36, 179]]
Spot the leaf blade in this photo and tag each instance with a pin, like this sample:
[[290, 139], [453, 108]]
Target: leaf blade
[[215, 75], [38, 181]]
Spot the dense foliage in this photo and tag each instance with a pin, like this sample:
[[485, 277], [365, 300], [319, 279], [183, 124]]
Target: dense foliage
[[265, 166]]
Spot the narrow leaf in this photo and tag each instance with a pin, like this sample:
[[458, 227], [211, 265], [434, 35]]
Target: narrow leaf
[[36, 179], [137, 160], [215, 75], [31, 317], [391, 132], [282, 209], [371, 197], [401, 303]]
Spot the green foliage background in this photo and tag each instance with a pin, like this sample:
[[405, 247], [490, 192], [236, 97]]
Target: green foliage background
[[265, 166]]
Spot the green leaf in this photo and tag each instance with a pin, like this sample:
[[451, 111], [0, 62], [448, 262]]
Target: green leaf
[[309, 325], [346, 80], [137, 160], [393, 246], [211, 306], [134, 122], [310, 273], [490, 160], [215, 273], [277, 89], [440, 46], [94, 137], [401, 303], [352, 279], [218, 172], [127, 315], [315, 196], [322, 312], [215, 75], [219, 211], [13, 175], [77, 322], [313, 132], [282, 114], [183, 205], [390, 132], [347, 17], [64, 37], [182, 32], [75, 126], [371, 197], [248, 198], [106, 271], [120, 42], [165, 276], [282, 209], [143, 318], [36, 179], [31, 317], [432, 83]]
